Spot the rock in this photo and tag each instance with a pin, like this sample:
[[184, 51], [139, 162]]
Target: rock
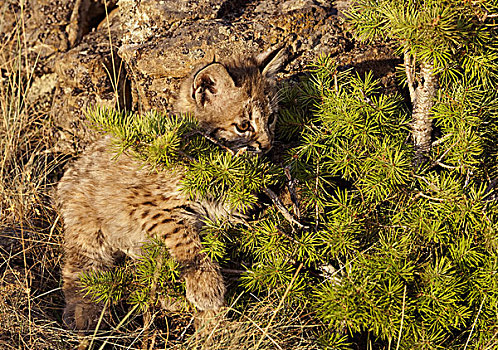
[[175, 42], [41, 88], [90, 74], [142, 20], [156, 43], [46, 28], [38, 26], [159, 65]]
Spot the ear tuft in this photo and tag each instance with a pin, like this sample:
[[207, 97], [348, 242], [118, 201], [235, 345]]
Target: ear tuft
[[210, 83], [271, 61]]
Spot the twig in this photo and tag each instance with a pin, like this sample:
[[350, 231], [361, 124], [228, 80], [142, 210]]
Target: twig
[[421, 194], [446, 166], [489, 190], [442, 139], [292, 191], [289, 237], [316, 194], [445, 153], [234, 271], [333, 274], [474, 324], [185, 155], [422, 178], [402, 319], [368, 100], [216, 142], [282, 209], [186, 328], [467, 178]]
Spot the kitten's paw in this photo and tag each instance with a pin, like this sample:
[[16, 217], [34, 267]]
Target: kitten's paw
[[205, 287], [84, 316]]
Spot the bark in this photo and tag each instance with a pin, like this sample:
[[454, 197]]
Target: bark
[[423, 97], [409, 68]]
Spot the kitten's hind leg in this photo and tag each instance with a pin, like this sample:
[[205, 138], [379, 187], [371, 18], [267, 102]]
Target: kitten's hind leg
[[81, 312]]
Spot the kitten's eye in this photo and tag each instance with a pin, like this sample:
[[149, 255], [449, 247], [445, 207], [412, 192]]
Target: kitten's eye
[[271, 119], [243, 126]]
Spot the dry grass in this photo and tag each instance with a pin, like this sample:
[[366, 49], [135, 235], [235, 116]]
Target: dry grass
[[31, 300], [30, 297]]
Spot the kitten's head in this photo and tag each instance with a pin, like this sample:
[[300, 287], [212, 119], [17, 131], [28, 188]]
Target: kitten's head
[[235, 101]]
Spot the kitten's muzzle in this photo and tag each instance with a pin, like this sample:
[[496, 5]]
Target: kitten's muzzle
[[252, 149], [260, 146]]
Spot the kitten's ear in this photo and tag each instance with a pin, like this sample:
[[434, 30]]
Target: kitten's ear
[[271, 61], [210, 83]]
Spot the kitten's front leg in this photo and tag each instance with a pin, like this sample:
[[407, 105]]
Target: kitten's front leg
[[204, 283]]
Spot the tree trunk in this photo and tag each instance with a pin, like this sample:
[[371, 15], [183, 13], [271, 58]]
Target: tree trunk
[[423, 97]]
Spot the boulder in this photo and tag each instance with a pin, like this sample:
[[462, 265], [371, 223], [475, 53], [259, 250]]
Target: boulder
[[170, 41], [41, 29], [90, 74]]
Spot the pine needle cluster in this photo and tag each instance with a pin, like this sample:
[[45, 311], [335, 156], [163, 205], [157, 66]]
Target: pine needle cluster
[[152, 279]]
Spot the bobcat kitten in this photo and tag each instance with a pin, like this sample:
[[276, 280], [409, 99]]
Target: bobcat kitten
[[111, 206]]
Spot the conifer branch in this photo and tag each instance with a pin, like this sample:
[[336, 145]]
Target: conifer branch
[[282, 209]]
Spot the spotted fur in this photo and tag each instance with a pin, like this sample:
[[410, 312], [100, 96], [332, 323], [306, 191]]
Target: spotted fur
[[112, 205]]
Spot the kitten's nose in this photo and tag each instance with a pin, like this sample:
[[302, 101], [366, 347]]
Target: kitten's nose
[[265, 146]]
